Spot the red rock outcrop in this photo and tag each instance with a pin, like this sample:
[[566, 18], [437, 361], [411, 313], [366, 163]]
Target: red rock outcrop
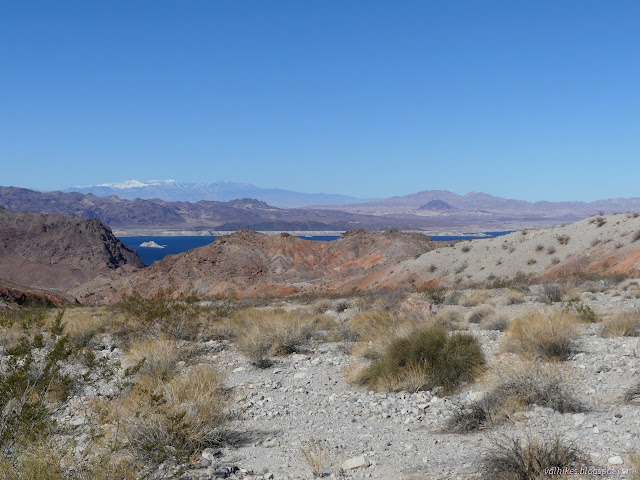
[[247, 263]]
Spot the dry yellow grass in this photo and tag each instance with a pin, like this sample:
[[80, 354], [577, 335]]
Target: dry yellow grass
[[262, 333], [375, 330], [622, 324], [179, 417], [161, 357], [549, 334], [475, 297]]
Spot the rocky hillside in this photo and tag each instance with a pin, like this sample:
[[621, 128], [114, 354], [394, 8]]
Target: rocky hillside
[[57, 252], [247, 264], [602, 245]]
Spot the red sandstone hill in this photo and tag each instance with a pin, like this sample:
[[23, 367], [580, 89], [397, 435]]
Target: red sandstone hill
[[56, 252], [247, 263]]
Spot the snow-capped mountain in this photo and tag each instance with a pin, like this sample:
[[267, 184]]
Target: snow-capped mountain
[[172, 190]]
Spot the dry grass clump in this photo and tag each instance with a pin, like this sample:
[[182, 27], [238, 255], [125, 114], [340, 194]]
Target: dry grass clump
[[82, 324], [551, 292], [546, 334], [160, 358], [622, 324], [424, 360], [448, 317], [514, 297], [632, 394], [374, 330], [480, 313], [260, 334], [517, 387], [498, 320], [178, 418], [476, 297], [513, 458], [317, 454]]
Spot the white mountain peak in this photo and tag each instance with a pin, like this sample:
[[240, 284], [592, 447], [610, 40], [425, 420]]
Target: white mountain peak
[[138, 184]]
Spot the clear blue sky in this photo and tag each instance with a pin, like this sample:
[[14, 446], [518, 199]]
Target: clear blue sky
[[529, 100]]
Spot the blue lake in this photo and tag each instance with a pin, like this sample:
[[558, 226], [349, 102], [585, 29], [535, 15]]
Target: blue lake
[[182, 244]]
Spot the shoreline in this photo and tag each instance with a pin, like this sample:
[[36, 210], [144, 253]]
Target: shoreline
[[297, 233]]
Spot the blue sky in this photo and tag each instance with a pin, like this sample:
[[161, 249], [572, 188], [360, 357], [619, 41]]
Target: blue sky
[[529, 100]]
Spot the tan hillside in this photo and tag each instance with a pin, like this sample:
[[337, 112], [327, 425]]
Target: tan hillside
[[602, 245]]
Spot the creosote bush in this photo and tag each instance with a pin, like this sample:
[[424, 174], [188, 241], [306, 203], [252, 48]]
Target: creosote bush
[[546, 334], [176, 315], [426, 359], [513, 458]]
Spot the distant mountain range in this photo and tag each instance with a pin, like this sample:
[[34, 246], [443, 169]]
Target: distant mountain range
[[223, 191], [482, 202], [435, 211]]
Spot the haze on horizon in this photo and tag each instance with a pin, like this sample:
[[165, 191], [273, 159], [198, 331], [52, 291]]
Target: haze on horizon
[[534, 101]]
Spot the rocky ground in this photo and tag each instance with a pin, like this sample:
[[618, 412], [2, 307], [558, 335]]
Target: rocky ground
[[303, 400]]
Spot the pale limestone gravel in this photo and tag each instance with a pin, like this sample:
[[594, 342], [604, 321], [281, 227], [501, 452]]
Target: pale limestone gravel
[[305, 396]]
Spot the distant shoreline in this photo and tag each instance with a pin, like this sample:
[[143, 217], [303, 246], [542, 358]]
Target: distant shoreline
[[297, 233]]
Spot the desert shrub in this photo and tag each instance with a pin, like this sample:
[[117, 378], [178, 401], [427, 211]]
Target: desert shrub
[[473, 298], [632, 394], [479, 313], [513, 458], [546, 334], [431, 357], [375, 330], [599, 221], [32, 381], [563, 239], [260, 334], [551, 292], [321, 306], [447, 317], [514, 297], [496, 321], [466, 248], [636, 236], [519, 386], [177, 419], [551, 250], [539, 248], [531, 261], [176, 315], [159, 358], [580, 310], [342, 306], [622, 324], [316, 453], [436, 294]]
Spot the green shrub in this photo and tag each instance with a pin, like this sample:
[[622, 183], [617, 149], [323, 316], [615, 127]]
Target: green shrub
[[580, 310], [174, 315], [440, 359]]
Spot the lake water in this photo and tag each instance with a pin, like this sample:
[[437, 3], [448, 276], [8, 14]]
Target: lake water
[[182, 244]]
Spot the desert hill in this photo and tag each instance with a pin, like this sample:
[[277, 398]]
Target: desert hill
[[57, 252], [247, 264], [601, 245]]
